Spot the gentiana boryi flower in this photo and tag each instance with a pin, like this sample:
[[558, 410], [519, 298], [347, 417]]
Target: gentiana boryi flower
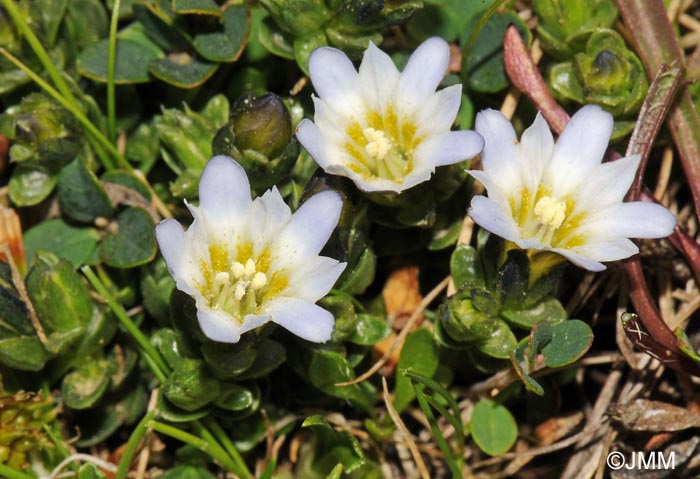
[[562, 198], [385, 130], [247, 262]]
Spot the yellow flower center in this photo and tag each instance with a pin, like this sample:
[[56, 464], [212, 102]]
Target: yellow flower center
[[240, 286], [383, 146], [551, 220]]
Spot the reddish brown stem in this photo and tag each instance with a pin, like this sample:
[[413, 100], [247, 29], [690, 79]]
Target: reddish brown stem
[[657, 45]]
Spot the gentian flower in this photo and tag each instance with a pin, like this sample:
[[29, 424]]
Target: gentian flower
[[562, 198], [247, 262], [385, 130]]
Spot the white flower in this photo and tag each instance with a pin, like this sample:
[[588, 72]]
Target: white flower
[[561, 197], [248, 262], [385, 130]]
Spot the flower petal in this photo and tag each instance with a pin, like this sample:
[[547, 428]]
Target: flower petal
[[220, 326], [612, 180], [439, 112], [313, 279], [172, 241], [307, 320], [500, 151], [489, 215], [267, 216], [224, 191], [378, 77], [610, 250], [449, 148], [311, 138], [310, 226], [580, 148], [536, 146], [580, 260], [423, 73], [632, 220], [334, 77]]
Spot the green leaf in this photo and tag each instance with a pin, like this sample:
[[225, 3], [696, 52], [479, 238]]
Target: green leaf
[[30, 185], [228, 360], [81, 195], [72, 243], [517, 359], [328, 368], [500, 342], [464, 266], [274, 40], [187, 472], [369, 330], [269, 356], [226, 45], [25, 353], [190, 385], [199, 7], [483, 69], [182, 70], [131, 65], [60, 298], [512, 278], [133, 243], [357, 280], [549, 309], [493, 427], [334, 447], [419, 353], [128, 179], [83, 387], [90, 471], [234, 397], [570, 340]]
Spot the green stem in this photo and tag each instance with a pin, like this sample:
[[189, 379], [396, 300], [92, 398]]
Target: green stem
[[111, 64], [132, 444], [9, 473], [39, 51], [213, 449], [223, 438], [79, 115], [160, 368]]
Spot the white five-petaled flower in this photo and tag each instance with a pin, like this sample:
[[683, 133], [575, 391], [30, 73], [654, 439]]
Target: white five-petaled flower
[[562, 198], [247, 262], [385, 130]]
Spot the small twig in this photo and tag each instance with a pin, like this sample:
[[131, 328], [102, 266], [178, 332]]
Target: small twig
[[401, 337], [22, 291], [107, 466], [406, 433]]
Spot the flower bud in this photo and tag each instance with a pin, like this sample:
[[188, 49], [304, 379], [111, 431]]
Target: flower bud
[[261, 123]]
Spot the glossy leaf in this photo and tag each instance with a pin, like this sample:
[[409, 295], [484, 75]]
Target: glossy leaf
[[570, 340], [420, 354], [81, 195], [133, 243], [74, 244], [226, 45]]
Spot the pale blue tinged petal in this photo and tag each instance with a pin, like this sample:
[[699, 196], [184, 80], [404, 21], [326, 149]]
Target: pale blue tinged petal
[[580, 260], [423, 73], [492, 217], [302, 318], [313, 279], [267, 216], [310, 226], [495, 192], [536, 146], [224, 191], [580, 148], [219, 326], [449, 148], [333, 75], [610, 250], [612, 181], [378, 77], [311, 138], [500, 143], [171, 240], [632, 220], [439, 112]]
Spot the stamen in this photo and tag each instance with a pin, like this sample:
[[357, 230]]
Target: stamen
[[259, 280], [250, 267], [550, 212], [238, 270]]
